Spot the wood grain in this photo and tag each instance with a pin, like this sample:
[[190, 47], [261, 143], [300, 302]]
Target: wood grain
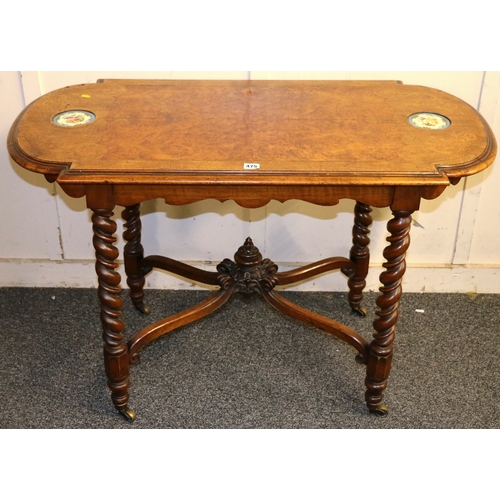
[[186, 141], [323, 131]]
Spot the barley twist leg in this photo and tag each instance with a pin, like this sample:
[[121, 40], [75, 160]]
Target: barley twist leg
[[381, 347], [360, 255], [116, 359], [133, 254]]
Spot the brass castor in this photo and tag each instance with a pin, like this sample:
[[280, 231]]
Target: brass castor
[[380, 410], [143, 309], [128, 414], [360, 311]]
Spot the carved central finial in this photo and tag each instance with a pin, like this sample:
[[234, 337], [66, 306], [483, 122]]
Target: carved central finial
[[248, 255], [249, 273]]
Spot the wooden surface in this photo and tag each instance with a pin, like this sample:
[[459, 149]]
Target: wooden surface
[[300, 132], [189, 140]]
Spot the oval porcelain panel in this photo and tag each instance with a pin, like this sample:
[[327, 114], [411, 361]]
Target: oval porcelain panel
[[73, 118], [431, 121]]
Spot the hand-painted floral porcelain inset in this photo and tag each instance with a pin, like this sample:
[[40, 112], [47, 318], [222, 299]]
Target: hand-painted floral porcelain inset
[[429, 120], [73, 118]]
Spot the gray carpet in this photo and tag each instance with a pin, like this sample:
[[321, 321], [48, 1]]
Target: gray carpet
[[248, 366]]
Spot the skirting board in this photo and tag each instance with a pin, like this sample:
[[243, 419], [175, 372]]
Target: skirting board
[[445, 279]]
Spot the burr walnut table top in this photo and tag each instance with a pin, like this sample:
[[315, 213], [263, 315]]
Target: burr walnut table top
[[229, 134]]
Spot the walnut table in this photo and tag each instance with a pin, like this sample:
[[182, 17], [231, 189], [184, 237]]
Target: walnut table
[[379, 143]]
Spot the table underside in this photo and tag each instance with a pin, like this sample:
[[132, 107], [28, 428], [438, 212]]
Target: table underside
[[248, 273]]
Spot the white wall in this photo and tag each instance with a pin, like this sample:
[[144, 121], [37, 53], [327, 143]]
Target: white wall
[[47, 235]]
